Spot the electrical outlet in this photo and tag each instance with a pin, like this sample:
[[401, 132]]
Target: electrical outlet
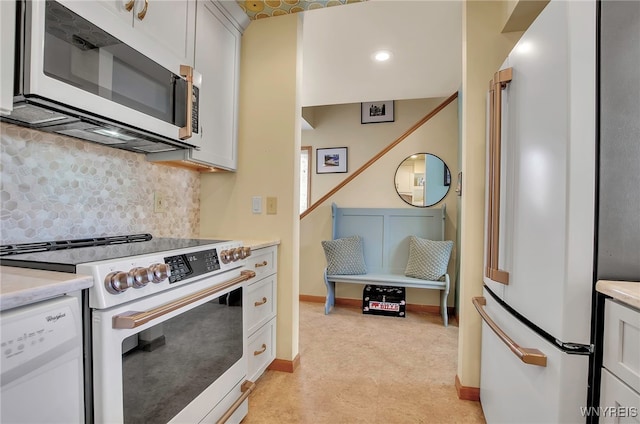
[[159, 205], [272, 205]]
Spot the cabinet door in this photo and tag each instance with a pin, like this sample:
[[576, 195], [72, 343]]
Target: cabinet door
[[217, 60], [170, 23], [115, 9], [165, 34]]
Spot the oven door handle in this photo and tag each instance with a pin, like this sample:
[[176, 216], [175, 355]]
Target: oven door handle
[[135, 319]]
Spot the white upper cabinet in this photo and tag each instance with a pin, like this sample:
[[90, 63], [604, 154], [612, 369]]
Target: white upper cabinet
[[170, 23], [217, 60], [163, 30], [218, 37]]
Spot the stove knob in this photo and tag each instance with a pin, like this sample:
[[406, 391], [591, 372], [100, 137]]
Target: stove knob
[[235, 254], [245, 252], [225, 256], [159, 272], [117, 282], [141, 276]]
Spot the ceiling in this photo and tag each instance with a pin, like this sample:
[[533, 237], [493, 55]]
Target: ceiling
[[260, 9], [424, 37]]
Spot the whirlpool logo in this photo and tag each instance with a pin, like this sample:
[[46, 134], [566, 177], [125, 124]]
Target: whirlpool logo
[[56, 317]]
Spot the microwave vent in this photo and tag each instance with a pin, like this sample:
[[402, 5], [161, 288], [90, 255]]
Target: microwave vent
[[33, 115]]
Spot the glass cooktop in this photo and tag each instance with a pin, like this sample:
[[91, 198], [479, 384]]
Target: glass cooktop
[[66, 259]]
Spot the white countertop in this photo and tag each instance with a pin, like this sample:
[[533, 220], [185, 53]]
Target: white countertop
[[627, 292], [21, 286], [258, 244]]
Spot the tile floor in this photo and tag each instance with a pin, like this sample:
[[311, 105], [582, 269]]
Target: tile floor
[[359, 368]]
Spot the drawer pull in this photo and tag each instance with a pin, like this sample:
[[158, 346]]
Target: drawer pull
[[259, 264], [261, 302], [246, 388], [261, 351]]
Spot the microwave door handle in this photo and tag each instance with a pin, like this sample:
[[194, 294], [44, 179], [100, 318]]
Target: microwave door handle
[[128, 320], [186, 71]]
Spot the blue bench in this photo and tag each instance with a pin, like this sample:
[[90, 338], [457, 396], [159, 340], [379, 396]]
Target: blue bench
[[385, 233]]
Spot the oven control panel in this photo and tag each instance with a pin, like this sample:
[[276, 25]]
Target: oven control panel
[[126, 279], [192, 264]]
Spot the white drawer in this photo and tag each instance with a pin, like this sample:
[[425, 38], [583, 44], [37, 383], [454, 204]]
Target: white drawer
[[263, 261], [261, 351], [261, 303], [618, 403], [622, 343]]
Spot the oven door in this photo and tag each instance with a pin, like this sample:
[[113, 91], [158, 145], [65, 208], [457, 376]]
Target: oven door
[[178, 356], [69, 60]]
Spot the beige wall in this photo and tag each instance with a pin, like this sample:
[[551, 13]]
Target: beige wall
[[338, 126], [269, 144], [484, 50]]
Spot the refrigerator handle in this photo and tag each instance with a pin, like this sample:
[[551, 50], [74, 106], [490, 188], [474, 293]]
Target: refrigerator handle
[[497, 84], [527, 355]]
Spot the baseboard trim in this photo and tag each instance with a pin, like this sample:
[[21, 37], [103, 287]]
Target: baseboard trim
[[310, 298], [285, 365], [467, 393], [357, 303]]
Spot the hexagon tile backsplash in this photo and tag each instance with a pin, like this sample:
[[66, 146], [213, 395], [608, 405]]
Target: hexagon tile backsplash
[[55, 187]]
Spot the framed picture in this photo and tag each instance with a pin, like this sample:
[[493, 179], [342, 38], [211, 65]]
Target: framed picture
[[372, 112], [330, 161]]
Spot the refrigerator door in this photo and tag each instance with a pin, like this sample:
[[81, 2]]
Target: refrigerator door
[[547, 175], [513, 391]]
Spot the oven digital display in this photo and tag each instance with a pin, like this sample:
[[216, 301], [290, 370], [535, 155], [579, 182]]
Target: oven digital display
[[192, 264]]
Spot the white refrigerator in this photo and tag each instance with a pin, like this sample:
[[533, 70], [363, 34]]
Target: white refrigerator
[[539, 232]]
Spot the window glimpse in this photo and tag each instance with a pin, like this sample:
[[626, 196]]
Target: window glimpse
[[305, 178]]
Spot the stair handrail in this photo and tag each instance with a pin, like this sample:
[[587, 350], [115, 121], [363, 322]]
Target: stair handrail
[[384, 151]]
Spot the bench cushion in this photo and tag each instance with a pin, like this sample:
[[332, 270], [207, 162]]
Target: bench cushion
[[345, 256], [428, 259]]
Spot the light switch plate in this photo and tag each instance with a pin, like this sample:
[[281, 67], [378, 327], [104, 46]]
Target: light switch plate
[[272, 205], [256, 204]]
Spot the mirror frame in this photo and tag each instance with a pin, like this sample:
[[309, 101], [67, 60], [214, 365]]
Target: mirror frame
[[446, 179]]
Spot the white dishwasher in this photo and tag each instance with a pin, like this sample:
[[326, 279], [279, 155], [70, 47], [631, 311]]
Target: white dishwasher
[[41, 363]]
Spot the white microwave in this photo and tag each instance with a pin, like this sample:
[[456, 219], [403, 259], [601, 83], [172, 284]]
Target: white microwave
[[74, 78]]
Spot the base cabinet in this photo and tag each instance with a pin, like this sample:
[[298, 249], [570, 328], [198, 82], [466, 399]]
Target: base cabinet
[[261, 311], [620, 385]]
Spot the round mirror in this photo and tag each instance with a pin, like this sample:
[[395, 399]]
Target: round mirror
[[422, 180]]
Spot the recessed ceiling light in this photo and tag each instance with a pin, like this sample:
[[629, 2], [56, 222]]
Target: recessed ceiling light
[[382, 55]]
